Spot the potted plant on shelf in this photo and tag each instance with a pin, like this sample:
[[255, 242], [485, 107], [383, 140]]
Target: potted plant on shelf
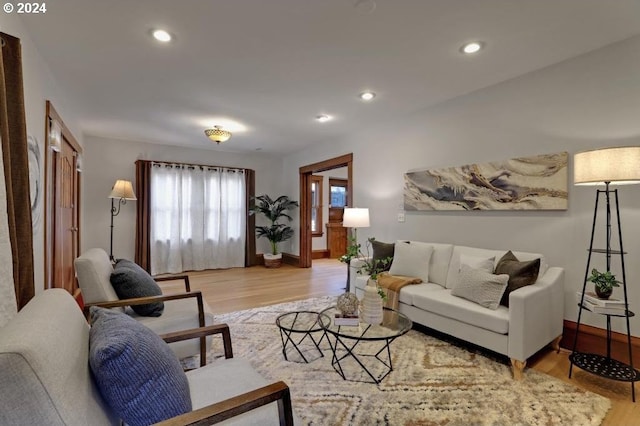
[[276, 232], [603, 282]]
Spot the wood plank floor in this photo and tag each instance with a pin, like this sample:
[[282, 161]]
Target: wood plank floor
[[244, 288]]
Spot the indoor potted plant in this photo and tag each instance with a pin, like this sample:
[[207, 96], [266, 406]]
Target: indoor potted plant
[[276, 232], [603, 282]]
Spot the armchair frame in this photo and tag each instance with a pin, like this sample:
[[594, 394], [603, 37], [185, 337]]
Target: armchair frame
[[276, 392]]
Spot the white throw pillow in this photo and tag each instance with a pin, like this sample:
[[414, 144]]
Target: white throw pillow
[[478, 262], [412, 260], [480, 286]]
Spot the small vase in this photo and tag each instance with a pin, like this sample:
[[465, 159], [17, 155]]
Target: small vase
[[371, 304], [603, 294]]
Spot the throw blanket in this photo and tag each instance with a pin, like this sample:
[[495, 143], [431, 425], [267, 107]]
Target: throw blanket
[[392, 284]]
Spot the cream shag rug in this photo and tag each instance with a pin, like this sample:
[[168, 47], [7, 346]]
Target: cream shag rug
[[432, 383]]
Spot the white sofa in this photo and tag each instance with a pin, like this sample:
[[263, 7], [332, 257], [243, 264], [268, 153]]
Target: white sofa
[[533, 320]]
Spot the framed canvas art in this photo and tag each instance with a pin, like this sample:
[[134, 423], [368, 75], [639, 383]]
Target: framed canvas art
[[529, 183]]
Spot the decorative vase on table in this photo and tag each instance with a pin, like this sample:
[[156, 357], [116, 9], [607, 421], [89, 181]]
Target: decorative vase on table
[[371, 304]]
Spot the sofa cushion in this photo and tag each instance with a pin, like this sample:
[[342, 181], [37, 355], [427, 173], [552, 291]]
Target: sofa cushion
[[130, 281], [136, 372], [458, 251], [94, 269], [480, 286], [520, 273], [412, 260], [179, 314], [382, 251], [442, 302], [238, 377]]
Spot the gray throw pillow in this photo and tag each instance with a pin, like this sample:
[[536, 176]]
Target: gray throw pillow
[[480, 286], [138, 375], [520, 273], [129, 281], [382, 251]]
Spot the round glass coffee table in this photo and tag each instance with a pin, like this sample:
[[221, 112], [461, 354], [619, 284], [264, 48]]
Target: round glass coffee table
[[368, 345], [303, 323]]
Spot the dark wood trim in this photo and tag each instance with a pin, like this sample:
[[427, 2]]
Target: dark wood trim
[[49, 186], [290, 259], [305, 201], [319, 181], [594, 340], [320, 254]]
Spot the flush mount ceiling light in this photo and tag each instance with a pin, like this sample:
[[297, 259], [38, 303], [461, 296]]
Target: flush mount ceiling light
[[323, 118], [367, 96], [217, 134], [162, 36], [472, 47]]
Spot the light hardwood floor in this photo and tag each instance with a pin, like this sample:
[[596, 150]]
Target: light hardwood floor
[[244, 288]]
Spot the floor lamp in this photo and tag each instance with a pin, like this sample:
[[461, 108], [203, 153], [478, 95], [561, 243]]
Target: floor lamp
[[122, 191], [608, 166], [354, 218]]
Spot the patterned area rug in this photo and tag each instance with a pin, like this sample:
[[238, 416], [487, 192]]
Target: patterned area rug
[[432, 383]]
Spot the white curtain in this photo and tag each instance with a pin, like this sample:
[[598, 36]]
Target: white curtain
[[198, 218]]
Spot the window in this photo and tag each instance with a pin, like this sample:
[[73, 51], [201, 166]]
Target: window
[[316, 205], [338, 190], [197, 218]]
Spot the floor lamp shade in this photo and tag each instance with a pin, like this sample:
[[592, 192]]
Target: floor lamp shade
[[123, 189], [355, 217], [618, 166]]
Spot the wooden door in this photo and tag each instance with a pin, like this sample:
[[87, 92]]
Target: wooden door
[[62, 209]]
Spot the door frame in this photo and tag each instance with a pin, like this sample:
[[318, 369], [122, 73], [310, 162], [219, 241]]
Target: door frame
[[305, 199], [50, 217]]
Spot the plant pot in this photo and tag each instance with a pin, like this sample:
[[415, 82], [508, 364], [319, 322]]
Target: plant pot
[[272, 260], [371, 309], [602, 293]]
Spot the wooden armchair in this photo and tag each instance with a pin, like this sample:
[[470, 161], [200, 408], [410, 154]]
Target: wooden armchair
[[47, 380], [182, 311]]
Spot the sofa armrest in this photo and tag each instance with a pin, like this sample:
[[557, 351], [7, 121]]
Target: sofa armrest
[[231, 407], [200, 333], [536, 314], [185, 278]]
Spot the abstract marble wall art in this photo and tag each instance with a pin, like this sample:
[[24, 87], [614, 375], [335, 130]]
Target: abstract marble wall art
[[529, 183]]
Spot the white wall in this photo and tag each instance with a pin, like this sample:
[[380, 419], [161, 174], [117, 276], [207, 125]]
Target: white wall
[[39, 86], [588, 102], [107, 160]]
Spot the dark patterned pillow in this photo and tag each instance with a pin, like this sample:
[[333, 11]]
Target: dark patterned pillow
[[129, 281], [520, 273], [382, 251], [138, 375]]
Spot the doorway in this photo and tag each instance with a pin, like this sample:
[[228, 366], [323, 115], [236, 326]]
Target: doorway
[[62, 204], [306, 180]]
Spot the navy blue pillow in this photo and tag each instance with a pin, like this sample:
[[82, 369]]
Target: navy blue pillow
[[129, 280], [139, 377]]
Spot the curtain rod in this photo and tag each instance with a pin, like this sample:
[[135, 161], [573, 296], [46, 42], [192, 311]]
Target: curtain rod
[[192, 164]]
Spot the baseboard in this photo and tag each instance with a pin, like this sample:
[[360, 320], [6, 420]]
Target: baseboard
[[291, 259], [320, 254], [594, 340]]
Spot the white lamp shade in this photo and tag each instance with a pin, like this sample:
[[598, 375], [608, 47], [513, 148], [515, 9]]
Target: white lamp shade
[[618, 166], [123, 189], [355, 217]]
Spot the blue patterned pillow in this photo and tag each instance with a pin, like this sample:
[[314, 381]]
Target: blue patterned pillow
[[129, 281], [139, 377]]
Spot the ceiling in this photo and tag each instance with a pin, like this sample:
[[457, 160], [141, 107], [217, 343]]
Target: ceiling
[[272, 66]]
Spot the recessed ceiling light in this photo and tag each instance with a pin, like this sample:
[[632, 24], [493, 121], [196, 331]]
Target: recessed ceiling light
[[472, 47], [323, 118], [367, 96], [162, 35]]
